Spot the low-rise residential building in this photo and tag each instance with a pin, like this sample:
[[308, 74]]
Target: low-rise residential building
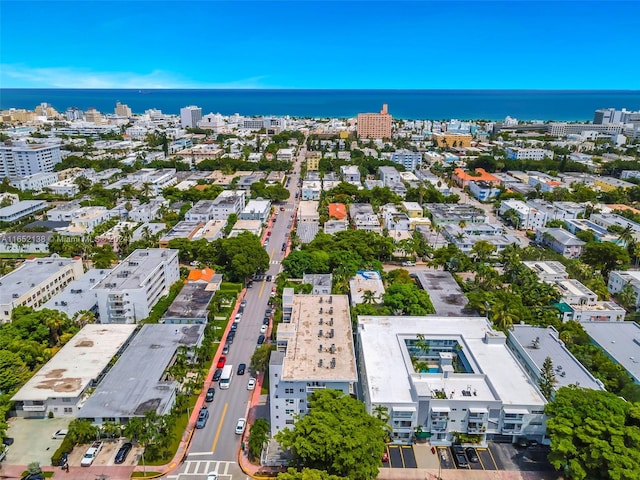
[[607, 220], [36, 182], [560, 241], [334, 226], [321, 282], [350, 174], [251, 226], [618, 279], [533, 345], [61, 386], [447, 297], [363, 217], [528, 218], [129, 292], [446, 375], [285, 154], [580, 304], [620, 341], [310, 190], [202, 211], [462, 178], [451, 140], [36, 281], [139, 382], [453, 213], [115, 234], [466, 237], [182, 229], [210, 231], [146, 212], [516, 153], [256, 210], [408, 159], [548, 272], [24, 208], [337, 211], [78, 295], [413, 209], [483, 191], [606, 184], [191, 304], [314, 351], [544, 182], [600, 233], [228, 202], [366, 287]]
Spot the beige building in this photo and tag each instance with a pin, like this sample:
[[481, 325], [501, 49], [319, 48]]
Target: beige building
[[455, 140], [375, 125], [36, 281], [93, 116]]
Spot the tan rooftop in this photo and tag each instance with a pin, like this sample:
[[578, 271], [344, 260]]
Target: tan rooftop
[[319, 340]]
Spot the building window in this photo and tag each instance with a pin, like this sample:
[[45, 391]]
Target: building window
[[68, 410], [288, 390]]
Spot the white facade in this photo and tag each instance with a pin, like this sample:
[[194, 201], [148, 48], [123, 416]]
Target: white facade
[[35, 182], [24, 160], [515, 153], [618, 279], [21, 209], [408, 159], [314, 352], [35, 281], [190, 116], [256, 210], [529, 218], [130, 291], [228, 202], [460, 377]]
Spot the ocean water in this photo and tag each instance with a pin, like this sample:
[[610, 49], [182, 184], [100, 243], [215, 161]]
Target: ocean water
[[406, 104]]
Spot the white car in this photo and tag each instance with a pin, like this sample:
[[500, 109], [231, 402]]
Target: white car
[[263, 328], [238, 317], [212, 476], [252, 384], [60, 434], [241, 425]]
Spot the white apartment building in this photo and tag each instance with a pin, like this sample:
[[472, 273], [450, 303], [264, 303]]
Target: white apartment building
[[28, 159], [146, 212], [350, 174], [314, 352], [364, 218], [618, 279], [529, 218], [564, 129], [389, 176], [114, 234], [202, 211], [285, 154], [190, 116], [516, 153], [311, 189], [21, 209], [256, 210], [129, 292], [228, 202], [408, 159], [446, 375], [154, 179], [78, 295], [580, 304], [36, 182], [36, 281], [67, 187], [548, 272], [86, 219]]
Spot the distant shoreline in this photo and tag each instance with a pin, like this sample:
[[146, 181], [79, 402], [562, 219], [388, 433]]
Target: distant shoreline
[[490, 105]]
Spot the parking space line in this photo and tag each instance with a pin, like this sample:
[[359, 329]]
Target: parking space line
[[478, 449], [493, 459]]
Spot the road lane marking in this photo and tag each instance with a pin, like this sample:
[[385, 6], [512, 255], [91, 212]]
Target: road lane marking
[[215, 440]]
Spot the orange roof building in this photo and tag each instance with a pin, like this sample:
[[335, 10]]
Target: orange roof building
[[337, 211], [462, 178], [201, 275]]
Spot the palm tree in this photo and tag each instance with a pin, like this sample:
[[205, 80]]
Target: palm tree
[[368, 297], [84, 317]]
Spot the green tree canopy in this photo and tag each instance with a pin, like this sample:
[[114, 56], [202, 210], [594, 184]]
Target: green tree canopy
[[307, 474], [337, 436], [594, 435], [605, 256]]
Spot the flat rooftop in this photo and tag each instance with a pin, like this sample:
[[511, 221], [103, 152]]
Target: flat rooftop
[[136, 384], [540, 343], [77, 364], [621, 341], [191, 302], [28, 275], [181, 229], [366, 281], [319, 340], [445, 293], [133, 270], [547, 268], [390, 375], [78, 294], [308, 208]]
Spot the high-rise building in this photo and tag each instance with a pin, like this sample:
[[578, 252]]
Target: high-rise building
[[375, 125], [23, 160], [611, 115], [190, 116], [94, 116], [122, 110]]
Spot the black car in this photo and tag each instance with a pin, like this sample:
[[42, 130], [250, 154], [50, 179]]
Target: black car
[[461, 460], [217, 374], [261, 340], [121, 456], [203, 416], [284, 247], [241, 368], [231, 336], [471, 454], [234, 327], [269, 278], [8, 441], [210, 394], [265, 321]]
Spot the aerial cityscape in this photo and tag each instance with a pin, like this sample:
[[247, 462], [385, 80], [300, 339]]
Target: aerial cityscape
[[225, 260]]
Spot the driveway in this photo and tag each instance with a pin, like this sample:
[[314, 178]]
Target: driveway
[[33, 442]]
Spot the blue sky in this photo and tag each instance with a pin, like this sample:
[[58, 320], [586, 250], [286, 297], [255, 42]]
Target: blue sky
[[509, 44]]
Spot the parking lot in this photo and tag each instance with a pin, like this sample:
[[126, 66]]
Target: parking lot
[[495, 456], [32, 439]]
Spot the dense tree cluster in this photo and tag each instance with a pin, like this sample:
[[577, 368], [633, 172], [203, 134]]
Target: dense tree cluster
[[337, 436]]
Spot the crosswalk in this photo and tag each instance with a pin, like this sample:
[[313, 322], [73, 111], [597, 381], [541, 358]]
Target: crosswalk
[[274, 262], [196, 469]]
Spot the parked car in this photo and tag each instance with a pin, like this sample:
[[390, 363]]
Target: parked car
[[211, 392], [241, 425], [217, 374], [238, 317], [231, 335], [282, 209], [461, 461], [203, 416], [221, 361], [252, 384], [225, 349], [234, 327], [212, 476], [263, 328], [385, 457], [261, 340], [471, 454], [60, 434], [243, 303], [408, 264], [265, 321], [124, 450], [241, 368], [269, 278], [284, 247]]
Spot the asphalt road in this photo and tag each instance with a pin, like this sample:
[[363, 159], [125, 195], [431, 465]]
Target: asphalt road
[[218, 442]]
